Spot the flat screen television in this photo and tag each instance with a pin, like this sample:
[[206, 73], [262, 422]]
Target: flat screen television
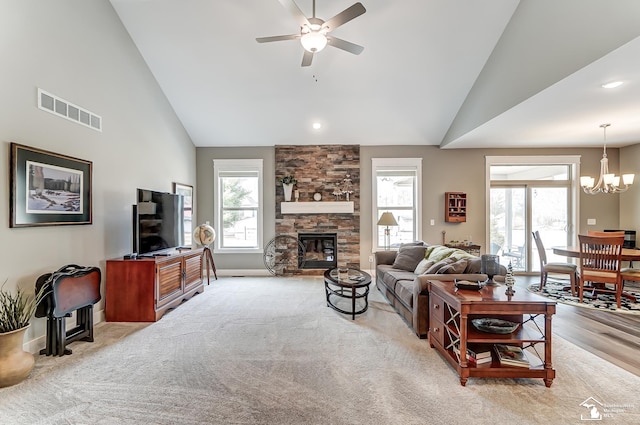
[[157, 222]]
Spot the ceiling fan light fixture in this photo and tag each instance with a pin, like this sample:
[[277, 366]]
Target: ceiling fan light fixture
[[313, 41]]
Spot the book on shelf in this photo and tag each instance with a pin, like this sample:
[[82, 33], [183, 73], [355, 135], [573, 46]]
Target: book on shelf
[[486, 360], [476, 354], [511, 355], [479, 351]]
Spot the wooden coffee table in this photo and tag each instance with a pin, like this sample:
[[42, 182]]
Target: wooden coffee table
[[351, 284], [450, 314]]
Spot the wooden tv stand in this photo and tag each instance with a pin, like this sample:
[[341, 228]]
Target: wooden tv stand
[[450, 315], [142, 290]]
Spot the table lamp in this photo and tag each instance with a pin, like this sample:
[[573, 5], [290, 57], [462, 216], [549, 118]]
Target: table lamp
[[387, 219]]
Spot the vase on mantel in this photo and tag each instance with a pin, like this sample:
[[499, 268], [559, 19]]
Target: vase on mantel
[[288, 189]]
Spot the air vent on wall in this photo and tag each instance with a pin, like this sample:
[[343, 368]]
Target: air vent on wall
[[58, 106]]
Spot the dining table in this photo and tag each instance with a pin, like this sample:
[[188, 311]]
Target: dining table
[[628, 254]]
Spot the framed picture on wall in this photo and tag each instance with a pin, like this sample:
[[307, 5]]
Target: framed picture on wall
[[48, 189], [187, 211]]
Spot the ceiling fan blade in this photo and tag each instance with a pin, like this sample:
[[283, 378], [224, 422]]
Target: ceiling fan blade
[[345, 16], [295, 11], [277, 38], [307, 58], [344, 45]]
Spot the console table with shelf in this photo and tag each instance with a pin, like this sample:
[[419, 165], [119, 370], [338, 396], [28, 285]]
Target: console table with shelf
[[450, 315], [143, 289], [472, 249]]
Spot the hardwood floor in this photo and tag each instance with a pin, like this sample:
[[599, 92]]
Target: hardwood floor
[[614, 337]]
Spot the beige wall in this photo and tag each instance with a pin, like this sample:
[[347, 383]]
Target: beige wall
[[630, 200], [443, 170], [463, 170], [79, 51], [206, 204]]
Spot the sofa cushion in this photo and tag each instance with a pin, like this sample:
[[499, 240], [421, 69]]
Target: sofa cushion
[[474, 265], [437, 266], [416, 243], [391, 276], [404, 292], [408, 257], [454, 268], [423, 265]]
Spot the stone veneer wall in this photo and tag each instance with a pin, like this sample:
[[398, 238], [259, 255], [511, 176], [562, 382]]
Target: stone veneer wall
[[320, 169]]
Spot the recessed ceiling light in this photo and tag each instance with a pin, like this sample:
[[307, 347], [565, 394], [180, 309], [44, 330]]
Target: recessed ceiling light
[[316, 126], [612, 85]]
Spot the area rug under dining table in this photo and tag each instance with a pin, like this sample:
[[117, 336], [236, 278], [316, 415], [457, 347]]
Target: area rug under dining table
[[557, 290]]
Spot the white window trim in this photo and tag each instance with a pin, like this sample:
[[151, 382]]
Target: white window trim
[[572, 160], [238, 165], [394, 163]]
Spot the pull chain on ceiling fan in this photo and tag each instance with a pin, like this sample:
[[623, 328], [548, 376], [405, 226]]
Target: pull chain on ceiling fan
[[314, 31]]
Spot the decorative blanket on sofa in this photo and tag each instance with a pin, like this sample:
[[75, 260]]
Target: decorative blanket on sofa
[[435, 259]]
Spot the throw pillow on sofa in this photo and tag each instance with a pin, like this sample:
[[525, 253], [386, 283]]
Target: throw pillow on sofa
[[437, 266], [454, 268], [474, 265], [408, 257], [423, 265]]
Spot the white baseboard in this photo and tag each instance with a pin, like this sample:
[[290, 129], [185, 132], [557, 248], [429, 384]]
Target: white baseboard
[[242, 272]]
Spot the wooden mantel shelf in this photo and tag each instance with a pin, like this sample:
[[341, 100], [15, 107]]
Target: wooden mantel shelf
[[336, 207]]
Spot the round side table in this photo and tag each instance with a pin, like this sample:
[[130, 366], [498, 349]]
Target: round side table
[[351, 284]]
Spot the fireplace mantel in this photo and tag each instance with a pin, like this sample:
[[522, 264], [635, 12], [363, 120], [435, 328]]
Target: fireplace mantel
[[335, 207]]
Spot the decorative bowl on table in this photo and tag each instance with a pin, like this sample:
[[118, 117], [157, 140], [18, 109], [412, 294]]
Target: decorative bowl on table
[[467, 284], [494, 326]]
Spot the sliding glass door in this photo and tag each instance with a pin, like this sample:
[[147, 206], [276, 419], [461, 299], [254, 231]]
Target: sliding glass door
[[529, 197], [549, 216]]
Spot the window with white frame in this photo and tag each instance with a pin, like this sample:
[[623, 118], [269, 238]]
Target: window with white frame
[[238, 204], [396, 189]]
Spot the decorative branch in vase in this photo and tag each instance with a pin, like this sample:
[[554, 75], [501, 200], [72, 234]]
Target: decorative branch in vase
[[287, 184]]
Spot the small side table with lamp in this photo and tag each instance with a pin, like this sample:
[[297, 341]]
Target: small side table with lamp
[[387, 219]]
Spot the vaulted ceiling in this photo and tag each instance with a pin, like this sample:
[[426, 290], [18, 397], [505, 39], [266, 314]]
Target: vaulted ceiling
[[451, 73]]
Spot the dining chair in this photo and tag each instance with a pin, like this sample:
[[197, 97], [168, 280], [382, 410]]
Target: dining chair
[[629, 273], [600, 265], [626, 273], [557, 268], [516, 254]]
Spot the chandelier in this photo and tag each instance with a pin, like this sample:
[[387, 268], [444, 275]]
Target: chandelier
[[608, 182]]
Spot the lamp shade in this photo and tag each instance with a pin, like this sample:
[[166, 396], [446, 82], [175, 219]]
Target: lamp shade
[[387, 219]]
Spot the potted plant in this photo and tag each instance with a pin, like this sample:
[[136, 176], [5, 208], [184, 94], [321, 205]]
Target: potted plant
[[15, 312], [287, 184]]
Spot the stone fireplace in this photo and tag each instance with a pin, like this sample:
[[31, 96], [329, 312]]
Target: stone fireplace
[[320, 250], [320, 169]]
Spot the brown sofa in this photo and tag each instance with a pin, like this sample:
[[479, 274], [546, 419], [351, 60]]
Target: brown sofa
[[402, 276]]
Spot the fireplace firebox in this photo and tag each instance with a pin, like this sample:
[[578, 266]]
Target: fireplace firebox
[[320, 250]]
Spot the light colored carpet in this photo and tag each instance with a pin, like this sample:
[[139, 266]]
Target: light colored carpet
[[268, 351]]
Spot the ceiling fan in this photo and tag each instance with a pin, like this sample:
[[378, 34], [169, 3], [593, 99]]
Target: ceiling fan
[[314, 31]]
